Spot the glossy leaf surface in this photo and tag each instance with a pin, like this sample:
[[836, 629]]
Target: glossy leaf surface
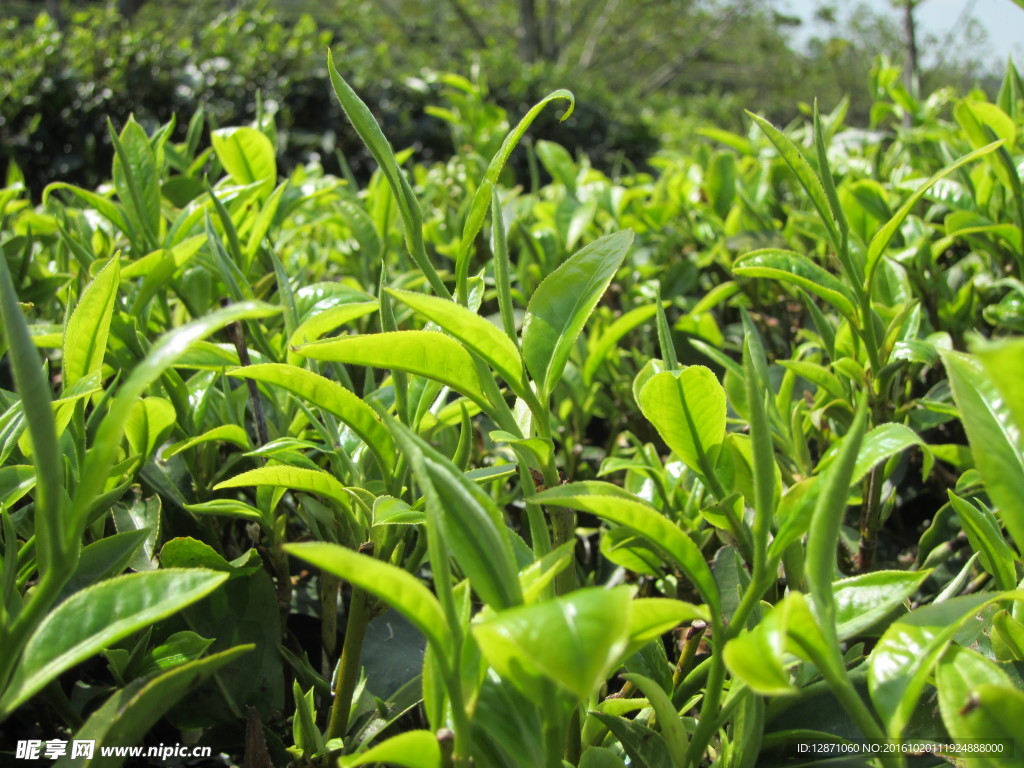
[[98, 616], [562, 303]]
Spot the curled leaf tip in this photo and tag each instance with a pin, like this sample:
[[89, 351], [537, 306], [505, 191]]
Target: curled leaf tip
[[568, 96]]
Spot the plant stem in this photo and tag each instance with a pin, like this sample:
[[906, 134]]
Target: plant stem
[[237, 337], [348, 668], [563, 529], [712, 695], [554, 736], [758, 584], [688, 651], [330, 586], [573, 745], [869, 520], [833, 671]]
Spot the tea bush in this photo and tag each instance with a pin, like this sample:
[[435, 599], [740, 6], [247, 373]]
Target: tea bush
[[668, 469], [58, 89]]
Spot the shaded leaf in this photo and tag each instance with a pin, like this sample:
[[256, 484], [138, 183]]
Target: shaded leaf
[[99, 616]]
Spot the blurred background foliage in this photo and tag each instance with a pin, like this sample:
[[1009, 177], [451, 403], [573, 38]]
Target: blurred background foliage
[[646, 72]]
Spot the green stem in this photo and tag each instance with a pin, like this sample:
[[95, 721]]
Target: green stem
[[688, 651], [868, 333], [540, 536], [833, 671], [42, 597], [282, 572], [573, 743], [759, 582], [563, 529], [330, 587], [348, 672], [712, 695], [554, 732], [870, 520], [54, 695], [691, 683]]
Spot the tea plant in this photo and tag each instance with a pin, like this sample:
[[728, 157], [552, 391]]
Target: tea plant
[[675, 470]]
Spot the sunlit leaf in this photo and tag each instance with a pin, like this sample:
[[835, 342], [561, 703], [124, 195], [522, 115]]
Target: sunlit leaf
[[574, 640], [687, 408], [562, 303]]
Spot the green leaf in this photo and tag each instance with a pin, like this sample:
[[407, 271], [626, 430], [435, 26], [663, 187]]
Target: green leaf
[[904, 656], [887, 440], [333, 398], [575, 640], [476, 334], [186, 552], [1004, 363], [180, 648], [139, 514], [326, 320], [767, 482], [887, 232], [864, 600], [538, 451], [996, 442], [687, 408], [388, 510], [645, 748], [424, 353], [412, 749], [600, 348], [161, 356], [227, 508], [261, 226], [281, 476], [104, 558], [756, 656], [624, 548], [881, 443], [601, 757], [305, 733], [791, 267], [37, 407], [827, 519], [369, 131], [982, 122], [137, 179], [85, 334], [148, 421], [805, 174], [669, 721], [396, 587], [129, 714], [959, 676], [1009, 633], [536, 577], [226, 433], [502, 269], [652, 617], [473, 526], [959, 224], [618, 506], [562, 303], [986, 538], [484, 195], [110, 210], [97, 617], [1003, 707], [246, 154]]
